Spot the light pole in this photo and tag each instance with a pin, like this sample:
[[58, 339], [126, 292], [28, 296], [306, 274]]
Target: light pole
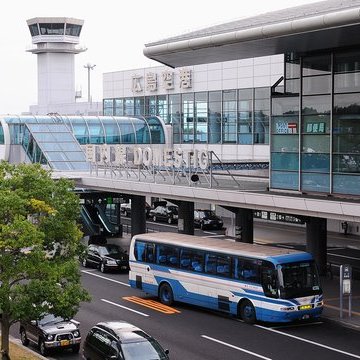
[[89, 67]]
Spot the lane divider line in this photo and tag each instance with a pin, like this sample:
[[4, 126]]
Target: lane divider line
[[125, 307], [235, 347], [152, 304], [104, 277], [309, 341]]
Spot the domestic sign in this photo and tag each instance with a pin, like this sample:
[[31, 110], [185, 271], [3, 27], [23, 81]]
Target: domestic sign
[[146, 156]]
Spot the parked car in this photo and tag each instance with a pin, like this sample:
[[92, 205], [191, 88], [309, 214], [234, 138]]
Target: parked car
[[167, 213], [51, 332], [207, 219], [120, 340], [125, 209], [106, 257]]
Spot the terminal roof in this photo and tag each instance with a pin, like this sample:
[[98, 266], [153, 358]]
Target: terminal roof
[[321, 25]]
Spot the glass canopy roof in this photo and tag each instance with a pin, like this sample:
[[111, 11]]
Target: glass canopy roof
[[55, 140]]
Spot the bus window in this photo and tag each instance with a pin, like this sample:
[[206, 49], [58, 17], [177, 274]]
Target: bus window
[[191, 260], [269, 279], [150, 253], [246, 270], [217, 264], [167, 256], [139, 251]]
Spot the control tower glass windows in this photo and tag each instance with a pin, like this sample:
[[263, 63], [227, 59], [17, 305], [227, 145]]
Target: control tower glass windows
[[52, 29], [34, 30], [73, 30]]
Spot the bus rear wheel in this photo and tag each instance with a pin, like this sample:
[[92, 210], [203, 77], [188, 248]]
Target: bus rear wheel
[[166, 294], [247, 312]]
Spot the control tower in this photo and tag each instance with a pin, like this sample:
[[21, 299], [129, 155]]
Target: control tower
[[56, 40]]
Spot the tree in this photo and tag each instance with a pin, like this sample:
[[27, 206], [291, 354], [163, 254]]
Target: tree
[[39, 247]]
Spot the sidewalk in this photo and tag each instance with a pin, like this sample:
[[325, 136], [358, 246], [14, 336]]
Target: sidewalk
[[331, 289]]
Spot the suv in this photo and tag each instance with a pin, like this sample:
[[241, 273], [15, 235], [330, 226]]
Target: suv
[[119, 340], [207, 219], [165, 213], [106, 257], [51, 332]]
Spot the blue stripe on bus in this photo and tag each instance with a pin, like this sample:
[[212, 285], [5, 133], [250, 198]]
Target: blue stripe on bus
[[181, 294]]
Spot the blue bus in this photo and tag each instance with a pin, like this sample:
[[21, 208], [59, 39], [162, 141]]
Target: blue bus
[[253, 282]]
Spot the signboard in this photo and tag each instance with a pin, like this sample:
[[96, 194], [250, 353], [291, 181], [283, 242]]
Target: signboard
[[274, 216]]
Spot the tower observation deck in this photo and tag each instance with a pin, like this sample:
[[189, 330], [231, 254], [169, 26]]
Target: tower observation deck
[[56, 41]]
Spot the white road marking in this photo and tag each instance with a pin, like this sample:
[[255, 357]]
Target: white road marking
[[124, 307], [104, 277], [235, 347], [344, 256], [309, 341]]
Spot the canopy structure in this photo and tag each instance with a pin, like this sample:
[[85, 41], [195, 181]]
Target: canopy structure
[[317, 26]]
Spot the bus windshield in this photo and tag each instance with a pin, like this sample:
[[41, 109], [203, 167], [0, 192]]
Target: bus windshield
[[299, 279]]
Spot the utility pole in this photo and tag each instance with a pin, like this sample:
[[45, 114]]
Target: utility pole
[[89, 67]]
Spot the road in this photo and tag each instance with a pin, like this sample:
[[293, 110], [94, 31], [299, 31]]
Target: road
[[197, 334]]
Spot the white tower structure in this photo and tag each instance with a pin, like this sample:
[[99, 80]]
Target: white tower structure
[[56, 40]]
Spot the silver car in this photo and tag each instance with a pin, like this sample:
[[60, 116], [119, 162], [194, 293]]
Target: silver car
[[51, 332]]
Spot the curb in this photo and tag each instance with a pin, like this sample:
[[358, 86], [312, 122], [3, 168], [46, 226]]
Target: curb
[[17, 342]]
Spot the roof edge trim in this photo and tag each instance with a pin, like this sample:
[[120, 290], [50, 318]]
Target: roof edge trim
[[313, 23]]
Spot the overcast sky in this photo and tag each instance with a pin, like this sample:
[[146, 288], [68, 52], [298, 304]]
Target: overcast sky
[[114, 32]]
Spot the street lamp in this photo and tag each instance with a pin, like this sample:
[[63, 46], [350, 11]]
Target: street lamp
[[89, 67]]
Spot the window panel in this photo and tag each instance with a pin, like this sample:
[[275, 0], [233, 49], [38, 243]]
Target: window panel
[[315, 182], [284, 161], [317, 85], [315, 162], [285, 143], [316, 65], [284, 180]]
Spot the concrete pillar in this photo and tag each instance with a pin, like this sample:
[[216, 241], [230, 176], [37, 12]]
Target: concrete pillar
[[138, 216], [244, 226], [316, 241], [186, 217]]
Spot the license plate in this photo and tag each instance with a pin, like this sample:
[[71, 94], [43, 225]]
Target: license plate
[[64, 342], [123, 267], [305, 307]]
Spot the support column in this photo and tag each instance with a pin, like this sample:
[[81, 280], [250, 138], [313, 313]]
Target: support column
[[316, 241], [138, 216], [186, 217], [244, 226]]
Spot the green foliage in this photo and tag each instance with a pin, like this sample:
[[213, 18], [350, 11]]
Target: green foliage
[[39, 244]]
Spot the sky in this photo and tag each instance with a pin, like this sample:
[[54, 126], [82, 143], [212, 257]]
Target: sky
[[114, 32]]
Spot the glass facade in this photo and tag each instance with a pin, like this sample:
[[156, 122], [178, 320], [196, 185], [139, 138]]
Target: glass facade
[[237, 116], [315, 125], [56, 140]]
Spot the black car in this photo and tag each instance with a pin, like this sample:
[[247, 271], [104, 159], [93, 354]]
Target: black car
[[167, 213], [207, 219], [106, 257], [125, 209], [119, 340], [51, 332]]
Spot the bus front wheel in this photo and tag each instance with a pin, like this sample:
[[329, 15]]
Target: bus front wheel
[[166, 294], [247, 312]]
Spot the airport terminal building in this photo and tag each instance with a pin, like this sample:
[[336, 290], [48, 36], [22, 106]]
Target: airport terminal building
[[298, 109]]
